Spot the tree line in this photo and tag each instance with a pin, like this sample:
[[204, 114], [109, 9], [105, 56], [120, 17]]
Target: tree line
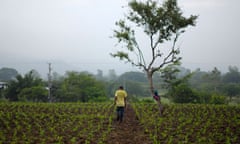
[[211, 87], [176, 83]]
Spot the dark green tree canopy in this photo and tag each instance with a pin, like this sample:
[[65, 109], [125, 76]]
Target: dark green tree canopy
[[20, 83], [133, 76], [81, 87], [233, 76]]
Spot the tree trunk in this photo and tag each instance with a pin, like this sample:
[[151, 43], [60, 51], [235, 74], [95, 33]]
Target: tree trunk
[[150, 80], [160, 106]]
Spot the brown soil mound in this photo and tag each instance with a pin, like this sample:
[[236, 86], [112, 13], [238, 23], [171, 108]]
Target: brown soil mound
[[130, 131]]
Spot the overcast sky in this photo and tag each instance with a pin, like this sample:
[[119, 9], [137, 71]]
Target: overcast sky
[[74, 34]]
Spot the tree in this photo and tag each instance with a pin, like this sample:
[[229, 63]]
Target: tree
[[184, 94], [161, 24], [211, 81], [133, 76], [232, 90], [99, 75], [169, 76], [178, 87], [16, 86], [112, 75], [34, 94], [81, 87], [197, 79], [7, 74], [233, 76]]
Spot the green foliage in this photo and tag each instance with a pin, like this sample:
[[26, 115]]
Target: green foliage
[[169, 76], [134, 82], [133, 98], [134, 88], [233, 76], [198, 79], [133, 76], [81, 87], [218, 99], [213, 82], [182, 93], [55, 122], [203, 97], [171, 79], [34, 94], [99, 99], [2, 99], [147, 101], [160, 23], [179, 90], [190, 123], [231, 90], [20, 83]]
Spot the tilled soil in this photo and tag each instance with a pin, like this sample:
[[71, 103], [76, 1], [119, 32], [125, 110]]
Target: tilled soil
[[130, 131]]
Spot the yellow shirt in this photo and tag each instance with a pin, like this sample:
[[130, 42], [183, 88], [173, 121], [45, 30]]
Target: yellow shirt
[[120, 95]]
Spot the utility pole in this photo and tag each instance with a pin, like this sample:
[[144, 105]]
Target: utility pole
[[49, 82]]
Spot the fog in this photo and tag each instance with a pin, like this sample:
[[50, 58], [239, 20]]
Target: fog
[[75, 35]]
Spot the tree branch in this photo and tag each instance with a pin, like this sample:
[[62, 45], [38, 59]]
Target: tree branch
[[171, 54]]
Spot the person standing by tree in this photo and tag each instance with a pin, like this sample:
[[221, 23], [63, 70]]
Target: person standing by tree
[[156, 96], [161, 23], [121, 102]]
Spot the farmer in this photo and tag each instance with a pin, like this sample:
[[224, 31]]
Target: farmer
[[120, 102], [158, 99], [156, 96]]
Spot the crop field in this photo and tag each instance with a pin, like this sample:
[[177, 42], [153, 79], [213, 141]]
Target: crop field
[[54, 123], [89, 123], [198, 124]]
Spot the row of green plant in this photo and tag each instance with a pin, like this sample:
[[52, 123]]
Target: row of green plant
[[55, 123], [191, 123]]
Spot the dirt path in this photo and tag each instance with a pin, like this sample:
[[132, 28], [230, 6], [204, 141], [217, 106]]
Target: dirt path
[[129, 131]]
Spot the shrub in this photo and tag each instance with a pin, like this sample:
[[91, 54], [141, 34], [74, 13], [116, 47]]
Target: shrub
[[217, 99], [147, 101], [183, 94], [203, 97]]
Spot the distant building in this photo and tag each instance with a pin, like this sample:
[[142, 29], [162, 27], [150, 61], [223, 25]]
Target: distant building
[[3, 85]]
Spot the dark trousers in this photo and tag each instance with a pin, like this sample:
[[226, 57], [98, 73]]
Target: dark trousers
[[120, 112]]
